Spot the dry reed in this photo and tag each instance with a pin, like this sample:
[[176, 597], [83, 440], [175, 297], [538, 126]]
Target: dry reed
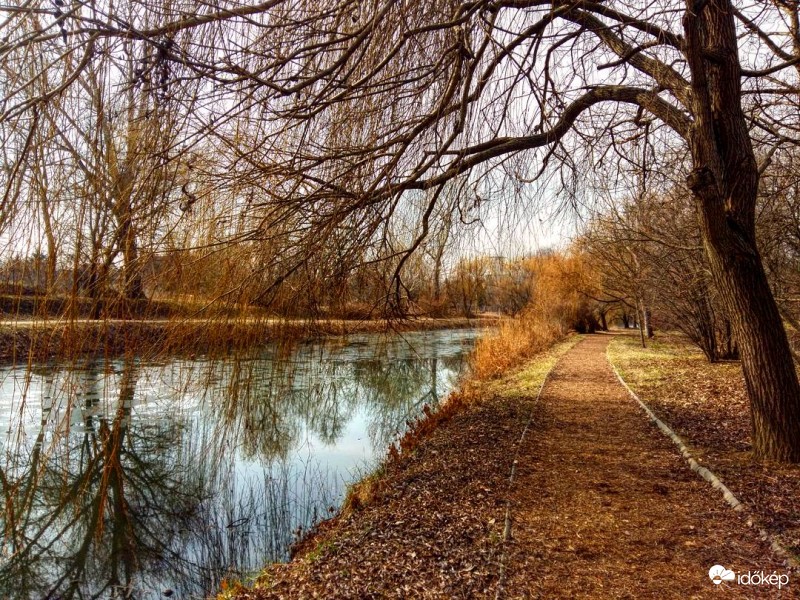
[[515, 340]]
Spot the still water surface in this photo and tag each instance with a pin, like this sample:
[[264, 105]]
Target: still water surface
[[134, 479]]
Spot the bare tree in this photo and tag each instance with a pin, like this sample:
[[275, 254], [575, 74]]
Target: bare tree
[[348, 109], [671, 270]]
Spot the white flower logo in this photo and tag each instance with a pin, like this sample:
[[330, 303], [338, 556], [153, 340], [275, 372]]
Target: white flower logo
[[718, 574]]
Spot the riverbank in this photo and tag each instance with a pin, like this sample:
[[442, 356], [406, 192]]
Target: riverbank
[[567, 493], [34, 340], [430, 522]]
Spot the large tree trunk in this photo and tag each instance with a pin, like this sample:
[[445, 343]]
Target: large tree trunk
[[725, 183], [766, 358]]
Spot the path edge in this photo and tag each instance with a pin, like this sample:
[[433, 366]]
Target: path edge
[[777, 548], [512, 475]]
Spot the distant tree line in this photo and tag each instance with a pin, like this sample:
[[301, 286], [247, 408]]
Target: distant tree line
[[650, 265]]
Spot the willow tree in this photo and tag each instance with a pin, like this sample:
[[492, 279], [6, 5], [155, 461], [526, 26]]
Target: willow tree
[[346, 114]]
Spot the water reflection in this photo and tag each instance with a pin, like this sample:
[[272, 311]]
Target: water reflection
[[128, 480]]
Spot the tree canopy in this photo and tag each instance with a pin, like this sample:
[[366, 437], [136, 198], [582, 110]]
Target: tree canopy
[[329, 127]]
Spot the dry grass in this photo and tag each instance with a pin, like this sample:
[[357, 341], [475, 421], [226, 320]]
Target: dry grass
[[515, 341]]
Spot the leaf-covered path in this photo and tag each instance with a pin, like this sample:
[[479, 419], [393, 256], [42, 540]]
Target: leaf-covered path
[[602, 506]]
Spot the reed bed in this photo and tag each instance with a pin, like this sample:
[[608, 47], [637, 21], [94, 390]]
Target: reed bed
[[514, 341]]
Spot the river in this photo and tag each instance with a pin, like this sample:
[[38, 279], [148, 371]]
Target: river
[[152, 479]]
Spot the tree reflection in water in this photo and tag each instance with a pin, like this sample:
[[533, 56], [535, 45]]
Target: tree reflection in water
[[126, 479]]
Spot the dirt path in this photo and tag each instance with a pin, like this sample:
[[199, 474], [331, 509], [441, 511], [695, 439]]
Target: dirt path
[[604, 507]]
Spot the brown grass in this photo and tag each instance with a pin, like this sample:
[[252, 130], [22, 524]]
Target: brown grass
[[516, 340]]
